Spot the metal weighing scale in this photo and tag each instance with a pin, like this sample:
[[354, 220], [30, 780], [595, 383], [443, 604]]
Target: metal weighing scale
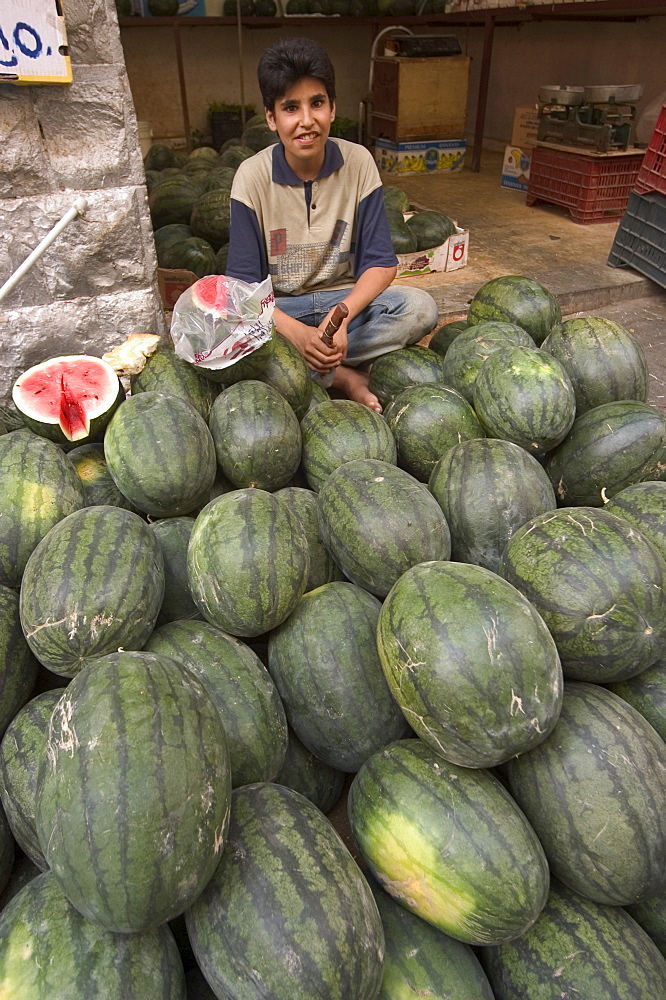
[[598, 118]]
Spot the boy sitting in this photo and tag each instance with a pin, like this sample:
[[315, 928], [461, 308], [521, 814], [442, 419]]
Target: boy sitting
[[309, 211]]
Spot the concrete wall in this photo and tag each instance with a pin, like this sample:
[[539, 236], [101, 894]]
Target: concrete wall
[[97, 282], [524, 57]]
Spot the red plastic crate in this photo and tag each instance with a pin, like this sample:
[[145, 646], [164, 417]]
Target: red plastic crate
[[594, 187], [652, 175]]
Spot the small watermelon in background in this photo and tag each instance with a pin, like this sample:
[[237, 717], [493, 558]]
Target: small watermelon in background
[[161, 454], [487, 489], [172, 200], [524, 395], [448, 843], [395, 198], [470, 662], [47, 949], [38, 487], [403, 240], [303, 503], [647, 694], [609, 448], [165, 372], [91, 606], [306, 774], [11, 419], [69, 399], [393, 372], [98, 483], [422, 961], [211, 217], [173, 536], [18, 667], [472, 346], [377, 521], [427, 420], [159, 157], [287, 895], [602, 359], [577, 948], [516, 299], [339, 431], [651, 915], [241, 689], [192, 254], [604, 754], [22, 751], [256, 434], [324, 661], [286, 371], [248, 562], [170, 235], [644, 506], [234, 155], [600, 587], [160, 828], [444, 336], [430, 229]]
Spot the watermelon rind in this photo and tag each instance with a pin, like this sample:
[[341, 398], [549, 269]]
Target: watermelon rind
[[339, 431], [306, 774], [604, 753], [647, 694], [173, 535], [303, 503], [159, 827], [472, 346], [448, 843], [98, 484], [18, 666], [391, 373], [286, 371], [644, 506], [444, 336], [47, 949], [286, 895], [651, 915], [513, 298]]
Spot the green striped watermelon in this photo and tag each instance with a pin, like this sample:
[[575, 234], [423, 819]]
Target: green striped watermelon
[[651, 915], [11, 418], [609, 448], [516, 299], [161, 454], [487, 489], [22, 751], [524, 395], [257, 436], [473, 346], [172, 200], [241, 689], [173, 536], [169, 235], [211, 216], [219, 177], [595, 792], [248, 562], [38, 487], [306, 774], [192, 254], [577, 949], [470, 662], [165, 372], [324, 661], [47, 949], [159, 157], [287, 372], [249, 366], [133, 800], [339, 431], [427, 420], [444, 336], [303, 503], [644, 506], [18, 667], [603, 360], [94, 584], [600, 586], [393, 372], [287, 914], [647, 694], [377, 521], [421, 961], [98, 484], [448, 843]]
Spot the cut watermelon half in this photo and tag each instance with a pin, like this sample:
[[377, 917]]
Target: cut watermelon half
[[69, 399], [211, 294]]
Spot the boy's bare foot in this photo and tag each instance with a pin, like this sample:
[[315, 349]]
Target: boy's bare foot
[[354, 384]]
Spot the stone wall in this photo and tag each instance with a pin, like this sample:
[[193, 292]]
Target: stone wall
[[97, 282]]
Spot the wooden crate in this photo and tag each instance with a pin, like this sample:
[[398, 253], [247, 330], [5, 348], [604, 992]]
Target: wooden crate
[[419, 98]]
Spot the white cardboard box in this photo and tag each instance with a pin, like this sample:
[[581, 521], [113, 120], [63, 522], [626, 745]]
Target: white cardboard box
[[426, 157], [448, 256], [516, 168]]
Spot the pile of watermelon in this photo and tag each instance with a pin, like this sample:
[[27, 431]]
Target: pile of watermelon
[[224, 604], [411, 229]]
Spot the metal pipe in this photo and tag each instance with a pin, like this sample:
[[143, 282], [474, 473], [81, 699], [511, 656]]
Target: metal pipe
[[78, 208]]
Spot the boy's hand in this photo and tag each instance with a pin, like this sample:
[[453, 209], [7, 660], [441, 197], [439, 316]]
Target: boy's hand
[[317, 355]]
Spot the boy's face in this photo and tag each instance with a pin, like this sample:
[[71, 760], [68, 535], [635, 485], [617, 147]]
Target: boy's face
[[302, 118]]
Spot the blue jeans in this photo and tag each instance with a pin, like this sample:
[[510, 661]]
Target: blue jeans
[[396, 318]]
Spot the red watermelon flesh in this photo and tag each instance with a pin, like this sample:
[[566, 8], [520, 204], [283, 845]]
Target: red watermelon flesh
[[68, 396], [211, 294]]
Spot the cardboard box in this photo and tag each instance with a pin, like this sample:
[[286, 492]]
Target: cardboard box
[[448, 256], [516, 168], [172, 283], [525, 127], [425, 157], [419, 98]]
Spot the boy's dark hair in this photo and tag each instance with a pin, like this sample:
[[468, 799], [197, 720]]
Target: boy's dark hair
[[286, 62]]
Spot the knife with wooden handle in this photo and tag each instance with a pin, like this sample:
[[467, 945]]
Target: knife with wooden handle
[[340, 312]]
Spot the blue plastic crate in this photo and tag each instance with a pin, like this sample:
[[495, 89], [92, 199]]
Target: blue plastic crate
[[640, 241]]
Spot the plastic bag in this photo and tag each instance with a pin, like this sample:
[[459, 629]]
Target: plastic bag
[[218, 320]]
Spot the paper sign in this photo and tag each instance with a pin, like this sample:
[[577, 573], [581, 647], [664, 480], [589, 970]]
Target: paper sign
[[33, 42]]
